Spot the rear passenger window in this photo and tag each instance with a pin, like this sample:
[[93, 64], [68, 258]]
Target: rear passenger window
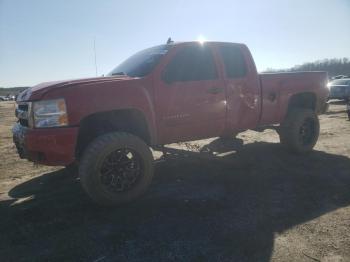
[[233, 58], [192, 63]]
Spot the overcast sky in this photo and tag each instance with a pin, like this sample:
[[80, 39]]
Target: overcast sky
[[44, 40]]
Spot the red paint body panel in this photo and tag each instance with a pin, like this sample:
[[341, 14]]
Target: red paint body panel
[[52, 146], [243, 97], [186, 110], [285, 85], [180, 111], [90, 98]]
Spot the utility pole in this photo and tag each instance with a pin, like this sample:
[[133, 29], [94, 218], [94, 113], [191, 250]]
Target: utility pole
[[95, 57]]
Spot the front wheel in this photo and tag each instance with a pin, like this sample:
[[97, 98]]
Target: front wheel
[[116, 168], [300, 130]]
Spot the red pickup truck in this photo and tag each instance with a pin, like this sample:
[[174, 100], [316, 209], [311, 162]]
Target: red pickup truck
[[164, 94]]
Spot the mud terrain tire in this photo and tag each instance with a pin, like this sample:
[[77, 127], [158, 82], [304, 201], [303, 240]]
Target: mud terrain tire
[[124, 156], [300, 130]]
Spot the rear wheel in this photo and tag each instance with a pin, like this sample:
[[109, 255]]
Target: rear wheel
[[300, 130], [116, 168]]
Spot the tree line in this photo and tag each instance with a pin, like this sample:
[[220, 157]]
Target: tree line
[[11, 90], [334, 67]]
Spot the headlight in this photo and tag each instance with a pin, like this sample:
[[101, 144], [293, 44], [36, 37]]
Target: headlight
[[50, 113]]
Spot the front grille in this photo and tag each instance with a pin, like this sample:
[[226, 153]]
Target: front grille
[[23, 112], [23, 107], [23, 122]]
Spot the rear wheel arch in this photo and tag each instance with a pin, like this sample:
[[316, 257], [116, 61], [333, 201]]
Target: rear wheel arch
[[305, 100]]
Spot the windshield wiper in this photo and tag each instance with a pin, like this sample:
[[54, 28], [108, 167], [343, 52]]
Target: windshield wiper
[[119, 74]]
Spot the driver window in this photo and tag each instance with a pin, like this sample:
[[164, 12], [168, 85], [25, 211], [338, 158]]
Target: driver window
[[192, 63]]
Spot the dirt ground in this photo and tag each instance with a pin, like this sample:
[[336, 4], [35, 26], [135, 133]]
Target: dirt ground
[[259, 203]]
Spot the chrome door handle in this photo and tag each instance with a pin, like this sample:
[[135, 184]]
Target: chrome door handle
[[272, 96]]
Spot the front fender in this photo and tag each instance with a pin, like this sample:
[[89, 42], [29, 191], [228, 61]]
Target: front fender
[[91, 98]]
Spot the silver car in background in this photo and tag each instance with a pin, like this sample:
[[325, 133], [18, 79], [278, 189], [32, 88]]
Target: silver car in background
[[339, 89]]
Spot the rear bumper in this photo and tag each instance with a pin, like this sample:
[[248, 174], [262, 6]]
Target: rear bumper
[[325, 108], [50, 146]]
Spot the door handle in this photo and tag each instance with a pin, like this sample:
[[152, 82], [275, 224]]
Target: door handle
[[272, 96], [215, 90]]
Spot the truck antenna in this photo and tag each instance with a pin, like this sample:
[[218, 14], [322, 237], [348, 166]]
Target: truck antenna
[[169, 41], [95, 57]]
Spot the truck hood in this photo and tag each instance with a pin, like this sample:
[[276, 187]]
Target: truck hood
[[37, 91]]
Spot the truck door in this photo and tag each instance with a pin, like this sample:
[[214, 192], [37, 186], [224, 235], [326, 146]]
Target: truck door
[[190, 95], [242, 87]]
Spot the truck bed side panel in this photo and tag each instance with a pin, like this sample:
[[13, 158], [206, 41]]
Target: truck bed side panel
[[277, 89]]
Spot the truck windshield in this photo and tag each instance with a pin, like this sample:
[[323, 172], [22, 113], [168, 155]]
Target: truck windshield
[[141, 63]]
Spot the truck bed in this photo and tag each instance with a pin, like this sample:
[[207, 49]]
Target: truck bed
[[278, 88]]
